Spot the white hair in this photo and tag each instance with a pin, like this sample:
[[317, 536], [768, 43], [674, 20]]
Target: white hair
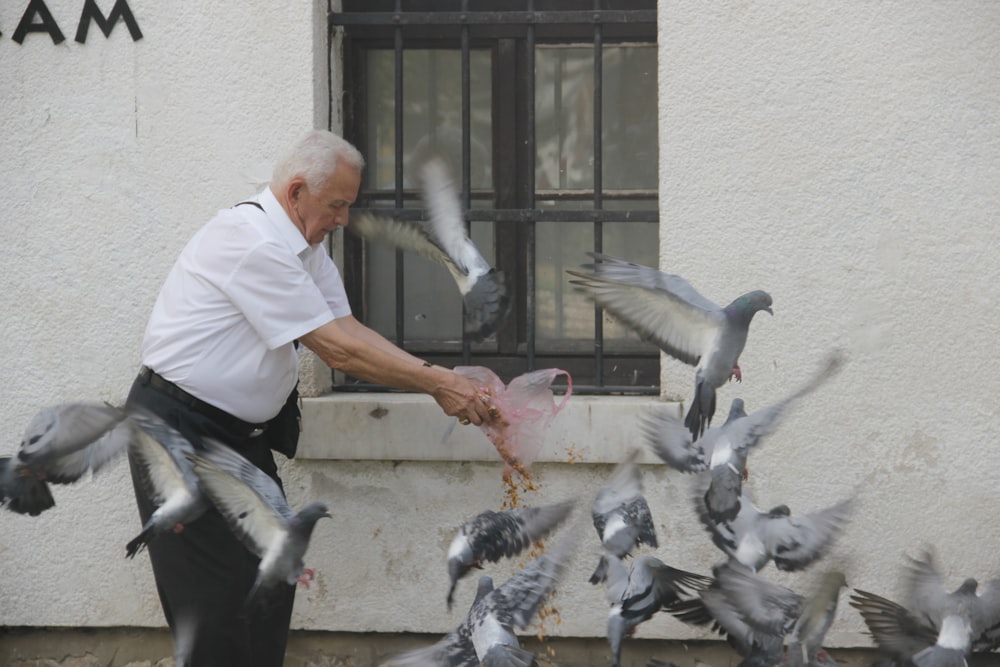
[[314, 157]]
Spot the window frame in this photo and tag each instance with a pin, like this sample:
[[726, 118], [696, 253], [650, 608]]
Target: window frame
[[512, 36]]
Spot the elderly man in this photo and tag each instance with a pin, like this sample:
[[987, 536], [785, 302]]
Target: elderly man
[[220, 360]]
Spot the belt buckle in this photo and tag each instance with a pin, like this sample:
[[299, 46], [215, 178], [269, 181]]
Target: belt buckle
[[257, 430]]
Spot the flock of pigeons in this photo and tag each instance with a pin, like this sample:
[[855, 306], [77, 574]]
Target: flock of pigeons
[[765, 623]]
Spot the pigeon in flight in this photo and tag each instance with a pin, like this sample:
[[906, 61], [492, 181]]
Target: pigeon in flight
[[486, 636], [60, 445], [937, 628], [443, 239], [256, 510], [723, 450], [712, 607], [490, 536], [755, 537], [779, 612], [161, 456], [667, 310], [639, 591], [621, 514]]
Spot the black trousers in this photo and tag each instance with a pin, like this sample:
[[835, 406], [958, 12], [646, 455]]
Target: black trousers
[[203, 573]]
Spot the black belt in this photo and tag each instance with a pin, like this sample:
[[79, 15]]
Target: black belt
[[233, 424]]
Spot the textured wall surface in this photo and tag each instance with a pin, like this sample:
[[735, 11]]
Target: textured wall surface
[[846, 159]]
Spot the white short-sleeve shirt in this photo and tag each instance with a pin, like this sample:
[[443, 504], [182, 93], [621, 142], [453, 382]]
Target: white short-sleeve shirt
[[243, 289]]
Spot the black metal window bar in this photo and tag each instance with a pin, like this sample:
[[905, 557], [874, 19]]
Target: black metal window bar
[[514, 202]]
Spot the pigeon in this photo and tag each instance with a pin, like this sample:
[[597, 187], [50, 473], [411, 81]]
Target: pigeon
[[755, 537], [161, 456], [637, 592], [621, 514], [667, 310], [780, 612], [944, 627], [487, 636], [60, 445], [443, 238], [256, 510], [490, 536], [723, 450], [712, 607]]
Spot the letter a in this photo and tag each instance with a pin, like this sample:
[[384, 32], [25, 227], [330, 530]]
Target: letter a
[[27, 24]]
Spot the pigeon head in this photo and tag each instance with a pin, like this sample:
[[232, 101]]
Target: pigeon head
[[737, 410], [780, 510], [310, 514], [746, 306], [968, 587]]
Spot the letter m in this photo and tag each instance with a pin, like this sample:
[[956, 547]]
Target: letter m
[[121, 10]]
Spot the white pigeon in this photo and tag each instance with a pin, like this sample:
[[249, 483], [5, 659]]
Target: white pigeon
[[256, 510], [621, 514], [161, 454], [443, 239], [490, 536], [60, 445], [665, 309]]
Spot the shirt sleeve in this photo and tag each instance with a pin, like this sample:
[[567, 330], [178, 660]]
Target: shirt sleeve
[[277, 295]]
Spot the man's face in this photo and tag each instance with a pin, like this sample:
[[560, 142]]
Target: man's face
[[323, 211]]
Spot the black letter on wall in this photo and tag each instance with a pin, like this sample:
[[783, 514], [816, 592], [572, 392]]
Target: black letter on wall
[[48, 24], [91, 12]]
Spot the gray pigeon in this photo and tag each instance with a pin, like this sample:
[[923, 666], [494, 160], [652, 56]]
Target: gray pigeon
[[637, 592], [256, 510], [487, 636], [444, 239], [490, 536], [161, 456], [60, 445], [756, 537], [712, 607], [780, 612], [621, 514], [944, 627], [667, 310], [723, 450]]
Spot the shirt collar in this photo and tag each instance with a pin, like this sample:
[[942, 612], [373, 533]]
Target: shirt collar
[[282, 223]]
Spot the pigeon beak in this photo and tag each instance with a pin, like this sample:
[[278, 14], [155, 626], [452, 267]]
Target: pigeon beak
[[770, 312]]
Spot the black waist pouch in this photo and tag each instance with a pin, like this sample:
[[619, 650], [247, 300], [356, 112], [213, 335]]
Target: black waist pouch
[[282, 432]]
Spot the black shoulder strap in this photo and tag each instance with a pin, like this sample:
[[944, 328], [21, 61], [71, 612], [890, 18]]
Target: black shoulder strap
[[252, 203]]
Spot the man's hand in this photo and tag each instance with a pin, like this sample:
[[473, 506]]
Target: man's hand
[[460, 397]]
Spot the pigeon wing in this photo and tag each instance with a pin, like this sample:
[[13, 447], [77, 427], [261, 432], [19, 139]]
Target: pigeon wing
[[251, 516], [893, 628], [768, 608], [161, 454], [672, 442], [660, 307]]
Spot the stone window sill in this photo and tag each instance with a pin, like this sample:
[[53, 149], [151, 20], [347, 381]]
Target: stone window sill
[[411, 427]]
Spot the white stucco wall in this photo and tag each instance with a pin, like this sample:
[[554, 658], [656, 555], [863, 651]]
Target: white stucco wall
[[845, 159]]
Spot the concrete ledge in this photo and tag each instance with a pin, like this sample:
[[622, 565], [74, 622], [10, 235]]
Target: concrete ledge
[[411, 427], [150, 647]]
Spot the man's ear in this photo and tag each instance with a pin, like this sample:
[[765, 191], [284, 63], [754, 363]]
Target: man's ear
[[294, 189]]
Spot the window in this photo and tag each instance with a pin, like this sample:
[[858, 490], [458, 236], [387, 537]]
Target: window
[[547, 114]]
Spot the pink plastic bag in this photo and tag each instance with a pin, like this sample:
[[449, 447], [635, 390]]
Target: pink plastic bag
[[527, 407]]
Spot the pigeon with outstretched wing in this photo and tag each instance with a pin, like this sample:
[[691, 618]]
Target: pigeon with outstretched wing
[[444, 239], [256, 510], [665, 309], [490, 536], [160, 455], [61, 444]]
